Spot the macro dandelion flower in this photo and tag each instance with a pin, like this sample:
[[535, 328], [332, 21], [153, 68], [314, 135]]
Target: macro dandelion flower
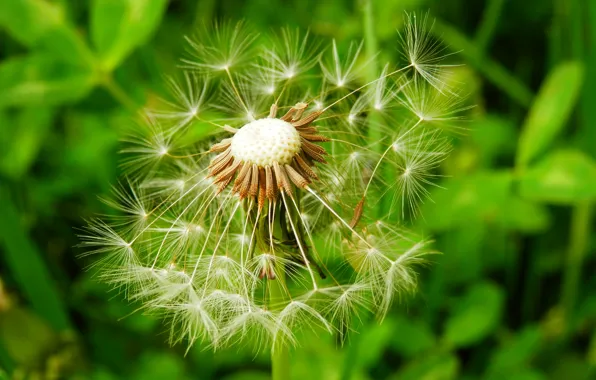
[[269, 224]]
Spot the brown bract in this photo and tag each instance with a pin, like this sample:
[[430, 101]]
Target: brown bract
[[250, 180]]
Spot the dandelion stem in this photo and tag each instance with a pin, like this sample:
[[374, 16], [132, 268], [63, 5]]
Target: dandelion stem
[[578, 245], [280, 355], [371, 47], [488, 25]]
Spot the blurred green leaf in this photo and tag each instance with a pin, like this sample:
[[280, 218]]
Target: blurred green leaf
[[550, 111], [491, 69], [119, 26], [39, 79], [7, 364], [485, 197], [517, 352], [494, 137], [565, 176], [413, 336], [27, 132], [102, 374], [568, 366], [42, 24], [431, 367], [524, 215], [464, 260], [374, 341], [25, 336], [28, 268], [160, 365], [479, 197], [90, 138], [591, 354], [475, 316], [28, 20], [521, 374], [318, 349], [64, 44]]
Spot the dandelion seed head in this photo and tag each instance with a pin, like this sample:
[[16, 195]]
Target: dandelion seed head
[[260, 152]]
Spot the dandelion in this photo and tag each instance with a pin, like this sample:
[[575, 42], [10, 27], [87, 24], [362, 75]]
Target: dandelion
[[267, 227]]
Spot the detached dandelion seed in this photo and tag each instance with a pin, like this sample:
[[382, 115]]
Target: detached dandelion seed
[[263, 228]]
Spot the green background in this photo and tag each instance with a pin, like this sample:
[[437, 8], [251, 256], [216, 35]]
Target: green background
[[512, 297]]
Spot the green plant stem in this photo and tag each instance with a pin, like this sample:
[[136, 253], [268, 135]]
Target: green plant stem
[[490, 20], [371, 48], [204, 12], [579, 238], [591, 354], [280, 355], [119, 94]]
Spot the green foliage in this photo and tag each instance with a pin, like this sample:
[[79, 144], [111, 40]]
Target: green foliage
[[511, 297], [30, 127], [117, 27], [42, 79], [28, 267], [433, 367], [550, 111], [476, 316], [564, 176]]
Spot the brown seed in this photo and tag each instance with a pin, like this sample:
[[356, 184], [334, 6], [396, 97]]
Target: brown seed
[[224, 184], [305, 167], [221, 165], [243, 190], [221, 146], [254, 182], [314, 151], [288, 115], [273, 110], [307, 120], [282, 179], [300, 107], [228, 173], [296, 177], [269, 184], [357, 213], [262, 188], [308, 130], [241, 175], [313, 137], [220, 157]]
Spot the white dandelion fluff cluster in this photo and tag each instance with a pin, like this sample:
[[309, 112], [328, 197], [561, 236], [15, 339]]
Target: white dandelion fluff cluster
[[251, 208]]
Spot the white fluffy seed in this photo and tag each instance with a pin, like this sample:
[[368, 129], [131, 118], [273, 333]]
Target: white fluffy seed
[[265, 141]]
